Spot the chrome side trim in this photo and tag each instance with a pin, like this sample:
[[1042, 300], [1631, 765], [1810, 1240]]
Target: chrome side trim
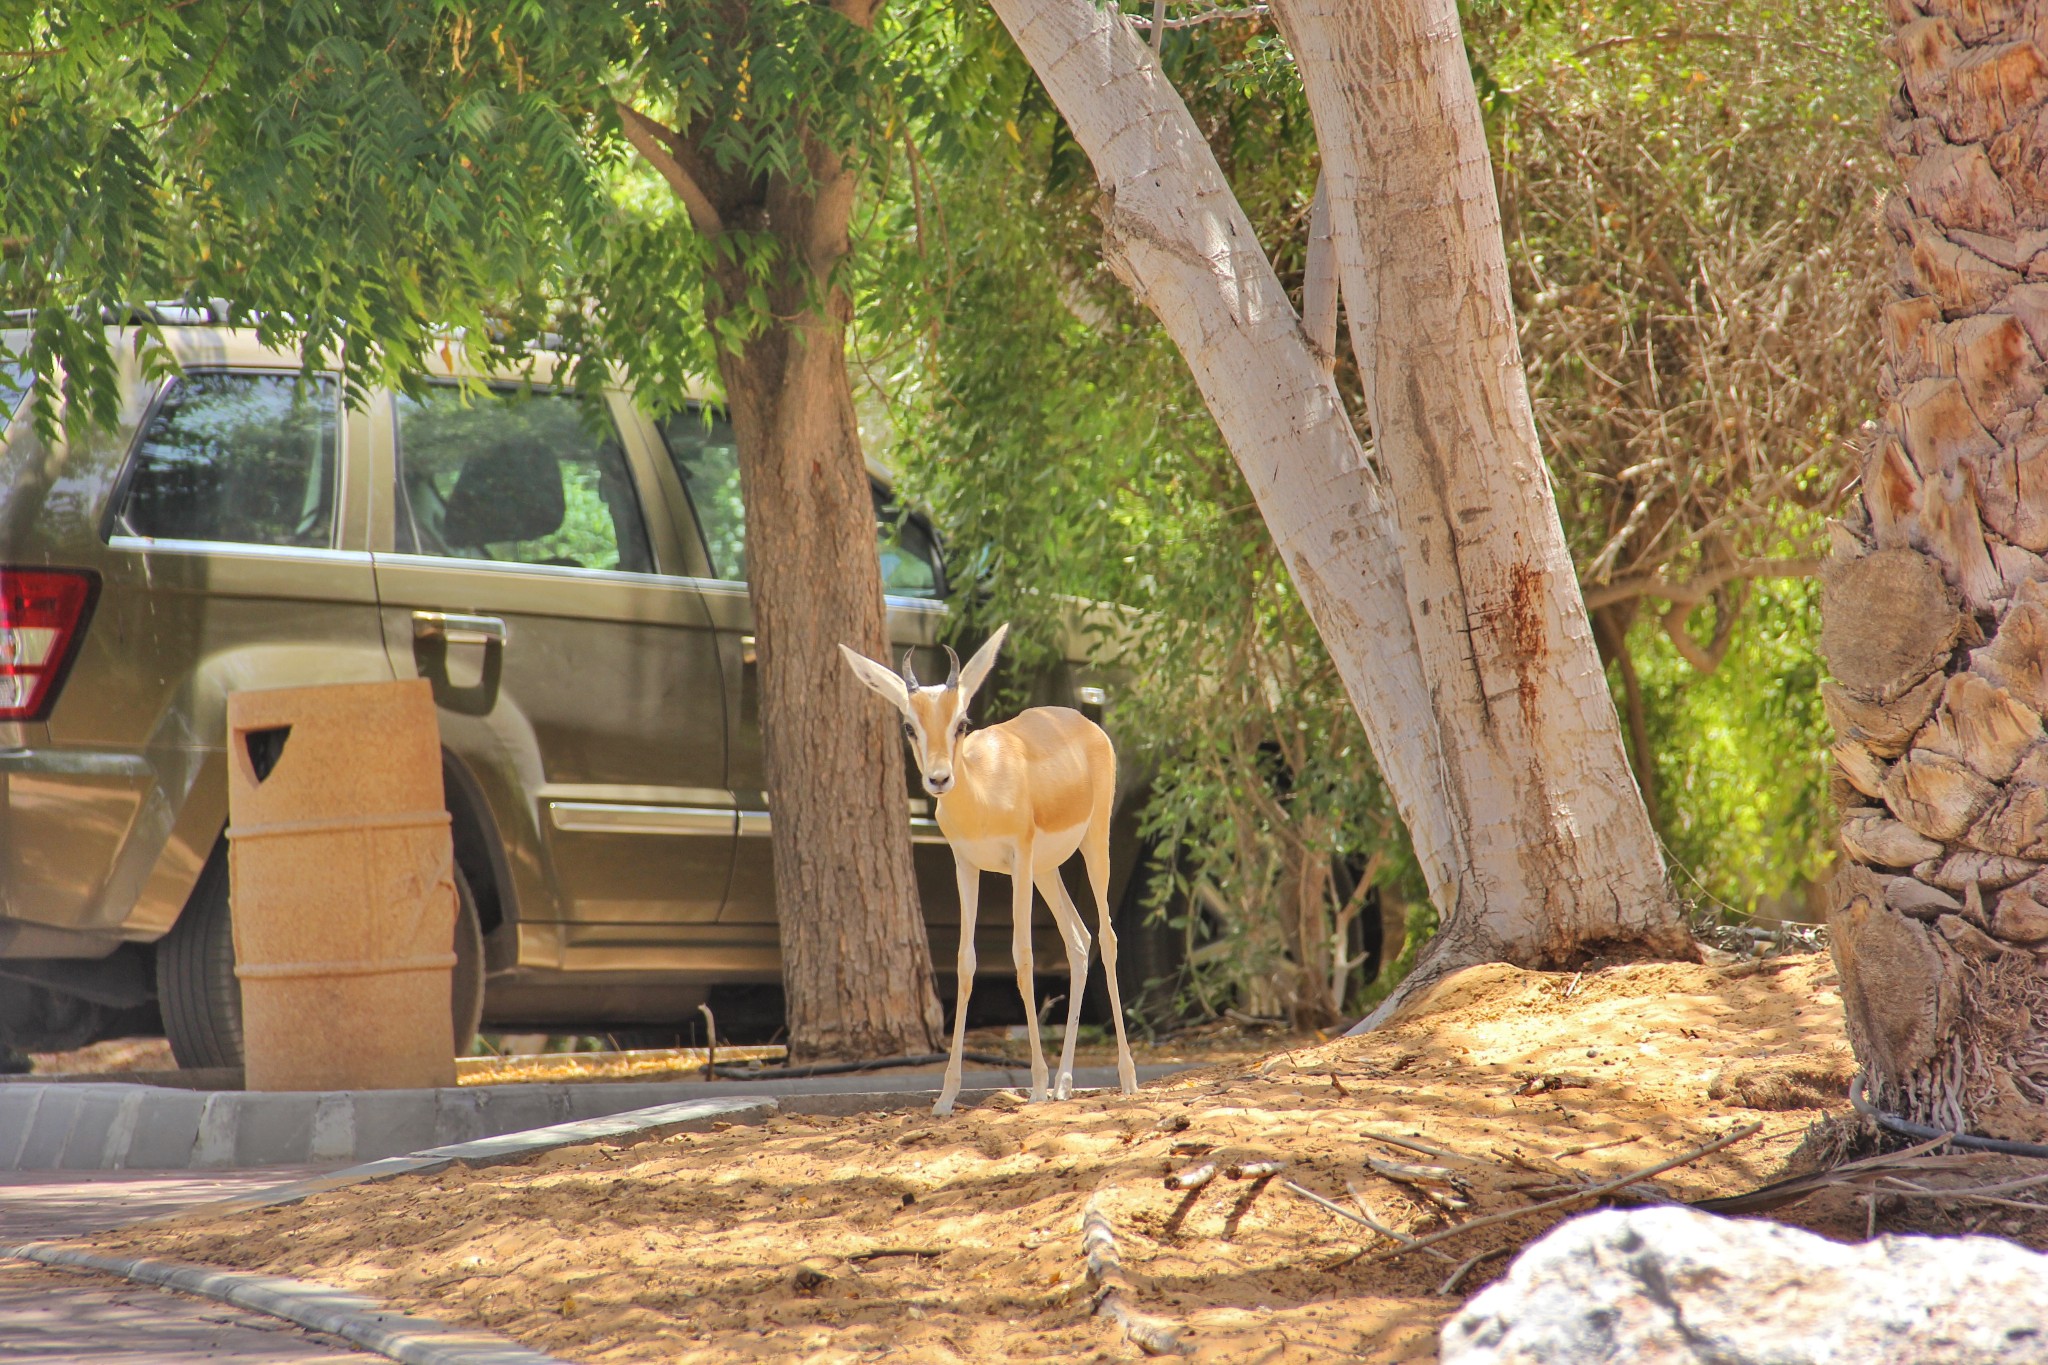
[[399, 559], [74, 763], [624, 794], [312, 553], [590, 817], [923, 829]]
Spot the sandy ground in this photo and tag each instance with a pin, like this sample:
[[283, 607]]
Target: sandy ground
[[915, 1239]]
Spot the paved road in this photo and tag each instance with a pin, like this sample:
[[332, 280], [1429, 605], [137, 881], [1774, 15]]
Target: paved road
[[55, 1316], [35, 1205], [50, 1315]]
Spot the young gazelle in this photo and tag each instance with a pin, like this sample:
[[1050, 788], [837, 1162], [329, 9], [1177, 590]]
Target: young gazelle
[[1018, 798]]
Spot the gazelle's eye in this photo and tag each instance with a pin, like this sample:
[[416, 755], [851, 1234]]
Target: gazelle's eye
[[908, 731], [960, 726]]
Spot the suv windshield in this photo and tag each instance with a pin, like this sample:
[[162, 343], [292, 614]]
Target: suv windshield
[[707, 460]]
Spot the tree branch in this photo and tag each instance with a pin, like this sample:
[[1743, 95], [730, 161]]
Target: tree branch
[[1697, 589], [664, 151], [1708, 659], [1209, 16]]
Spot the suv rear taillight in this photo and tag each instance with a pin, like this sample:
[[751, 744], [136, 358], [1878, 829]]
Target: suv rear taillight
[[42, 614]]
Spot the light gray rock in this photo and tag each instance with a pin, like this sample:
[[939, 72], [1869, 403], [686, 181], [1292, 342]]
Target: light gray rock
[[1665, 1286]]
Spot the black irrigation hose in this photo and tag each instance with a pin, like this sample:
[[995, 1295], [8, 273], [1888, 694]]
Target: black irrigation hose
[[1920, 1131], [790, 1073]]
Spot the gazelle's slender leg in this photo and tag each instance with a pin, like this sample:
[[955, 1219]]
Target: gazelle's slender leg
[[1027, 980], [1020, 928], [969, 878], [1095, 851], [1076, 935]]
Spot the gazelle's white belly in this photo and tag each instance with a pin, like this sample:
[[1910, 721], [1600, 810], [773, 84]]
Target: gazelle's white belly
[[1048, 850]]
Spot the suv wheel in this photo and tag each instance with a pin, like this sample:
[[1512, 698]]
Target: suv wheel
[[202, 1002]]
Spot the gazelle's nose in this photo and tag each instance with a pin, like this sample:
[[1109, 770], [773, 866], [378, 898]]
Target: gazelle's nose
[[940, 782]]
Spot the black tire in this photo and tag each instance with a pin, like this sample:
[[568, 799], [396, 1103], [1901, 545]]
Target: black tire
[[202, 1002], [466, 985], [195, 975]]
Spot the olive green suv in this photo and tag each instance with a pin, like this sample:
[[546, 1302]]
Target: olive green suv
[[567, 573]]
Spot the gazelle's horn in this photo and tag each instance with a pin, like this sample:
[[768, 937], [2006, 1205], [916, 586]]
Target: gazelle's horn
[[953, 672], [909, 670]]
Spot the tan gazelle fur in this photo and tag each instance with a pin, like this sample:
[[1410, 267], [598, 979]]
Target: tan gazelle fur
[[1018, 798]]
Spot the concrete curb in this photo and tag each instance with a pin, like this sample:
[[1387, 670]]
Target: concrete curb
[[104, 1126], [365, 1322]]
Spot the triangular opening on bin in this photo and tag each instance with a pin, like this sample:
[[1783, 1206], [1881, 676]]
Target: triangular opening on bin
[[265, 747]]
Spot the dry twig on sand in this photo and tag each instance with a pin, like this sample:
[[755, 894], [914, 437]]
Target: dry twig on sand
[[1859, 1174], [1605, 1187], [1405, 1243], [1112, 1288]]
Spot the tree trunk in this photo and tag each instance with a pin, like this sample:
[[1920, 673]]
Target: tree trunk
[[1563, 858], [1934, 601], [856, 961], [1459, 631]]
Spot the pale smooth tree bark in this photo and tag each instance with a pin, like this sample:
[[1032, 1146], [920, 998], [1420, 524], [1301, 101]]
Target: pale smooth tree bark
[[1934, 608], [1562, 856], [1454, 654]]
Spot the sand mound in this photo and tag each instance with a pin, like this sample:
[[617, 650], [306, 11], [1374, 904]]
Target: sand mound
[[902, 1236]]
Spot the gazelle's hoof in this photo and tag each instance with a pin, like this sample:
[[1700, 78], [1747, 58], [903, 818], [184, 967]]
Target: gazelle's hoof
[[944, 1106], [1065, 1089]]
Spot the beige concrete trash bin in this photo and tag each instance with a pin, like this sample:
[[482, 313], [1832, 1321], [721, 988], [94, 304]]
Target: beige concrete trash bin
[[341, 887]]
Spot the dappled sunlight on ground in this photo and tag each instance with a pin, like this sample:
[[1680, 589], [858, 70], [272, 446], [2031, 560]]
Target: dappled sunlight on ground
[[911, 1238]]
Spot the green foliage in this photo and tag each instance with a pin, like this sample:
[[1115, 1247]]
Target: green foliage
[[401, 175], [1742, 753], [1688, 195]]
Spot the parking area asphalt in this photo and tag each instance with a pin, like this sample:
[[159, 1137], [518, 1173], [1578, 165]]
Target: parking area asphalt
[[50, 1205], [56, 1316]]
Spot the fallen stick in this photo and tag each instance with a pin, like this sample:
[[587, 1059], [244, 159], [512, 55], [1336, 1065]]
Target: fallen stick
[[1255, 1170], [1414, 1145], [1590, 1192], [1192, 1177], [1153, 1336], [1465, 1267], [1296, 1187], [1433, 1183], [880, 1253]]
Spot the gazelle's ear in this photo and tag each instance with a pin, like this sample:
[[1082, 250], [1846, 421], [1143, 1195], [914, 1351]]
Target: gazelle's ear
[[880, 678], [975, 672]]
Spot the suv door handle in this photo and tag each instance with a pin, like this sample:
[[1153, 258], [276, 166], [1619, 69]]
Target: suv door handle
[[459, 630]]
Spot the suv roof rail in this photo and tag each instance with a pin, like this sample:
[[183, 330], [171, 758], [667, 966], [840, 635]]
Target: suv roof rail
[[165, 313]]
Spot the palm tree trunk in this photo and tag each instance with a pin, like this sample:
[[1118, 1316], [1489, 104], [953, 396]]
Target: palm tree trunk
[[1935, 602]]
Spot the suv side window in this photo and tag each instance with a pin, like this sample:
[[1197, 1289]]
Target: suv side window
[[707, 461], [236, 456], [518, 477], [16, 379]]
